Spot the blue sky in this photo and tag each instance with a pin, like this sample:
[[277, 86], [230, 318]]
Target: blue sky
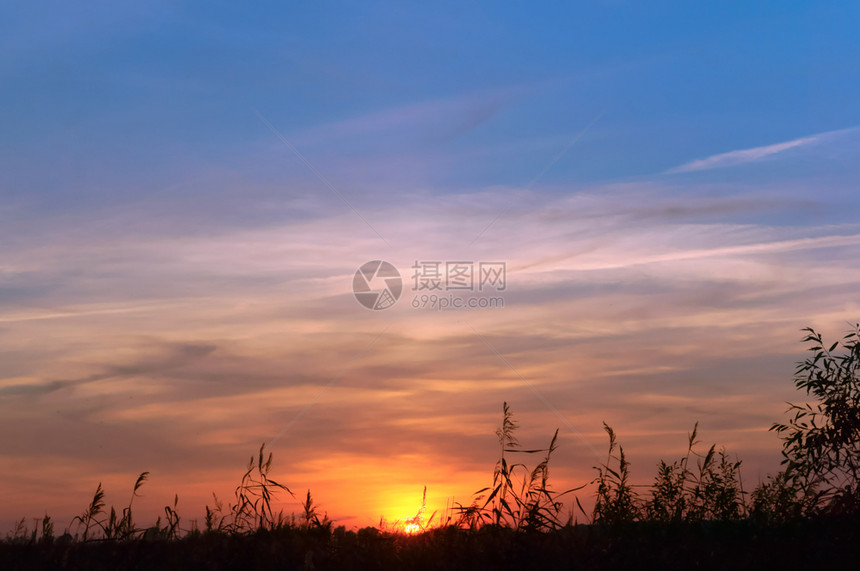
[[112, 102], [677, 190]]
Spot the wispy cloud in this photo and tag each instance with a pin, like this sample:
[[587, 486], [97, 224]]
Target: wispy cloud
[[743, 156], [433, 119]]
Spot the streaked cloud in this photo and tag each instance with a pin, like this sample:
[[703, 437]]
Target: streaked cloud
[[743, 156]]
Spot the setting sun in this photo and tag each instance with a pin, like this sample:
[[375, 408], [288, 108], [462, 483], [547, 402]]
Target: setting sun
[[417, 519]]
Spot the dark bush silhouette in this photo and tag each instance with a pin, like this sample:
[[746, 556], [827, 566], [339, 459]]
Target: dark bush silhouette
[[821, 441], [712, 492]]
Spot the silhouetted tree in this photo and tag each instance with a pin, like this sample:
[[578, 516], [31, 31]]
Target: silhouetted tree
[[821, 442]]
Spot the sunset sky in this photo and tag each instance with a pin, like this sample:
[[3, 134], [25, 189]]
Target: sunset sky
[[188, 188]]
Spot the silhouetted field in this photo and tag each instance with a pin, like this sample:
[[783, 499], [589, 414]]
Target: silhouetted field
[[805, 544]]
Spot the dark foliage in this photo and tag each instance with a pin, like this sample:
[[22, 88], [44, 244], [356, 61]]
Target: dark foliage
[[805, 544]]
